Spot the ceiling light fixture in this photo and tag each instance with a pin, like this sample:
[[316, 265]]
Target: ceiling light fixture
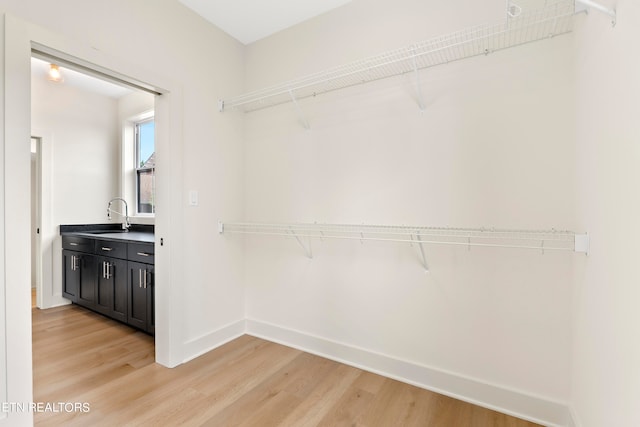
[[54, 74]]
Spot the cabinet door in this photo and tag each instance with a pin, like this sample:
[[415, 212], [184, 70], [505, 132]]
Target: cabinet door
[[111, 288], [87, 283], [151, 300], [137, 313], [104, 287], [119, 272], [71, 275]]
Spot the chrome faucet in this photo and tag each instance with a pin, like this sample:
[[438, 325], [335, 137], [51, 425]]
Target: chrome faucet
[[125, 224]]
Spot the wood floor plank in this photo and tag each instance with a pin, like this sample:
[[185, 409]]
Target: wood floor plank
[[322, 398], [349, 410], [269, 402], [80, 356]]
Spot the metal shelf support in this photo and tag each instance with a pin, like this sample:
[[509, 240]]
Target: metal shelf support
[[600, 8], [582, 243], [301, 115], [418, 89], [306, 249], [424, 258]]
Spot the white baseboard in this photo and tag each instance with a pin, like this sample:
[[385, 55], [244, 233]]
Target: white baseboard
[[55, 301], [201, 345], [574, 421], [511, 402]]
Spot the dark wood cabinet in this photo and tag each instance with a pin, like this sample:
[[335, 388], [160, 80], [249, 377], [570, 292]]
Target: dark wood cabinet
[[113, 278], [111, 288], [70, 275], [86, 265], [141, 289], [78, 282], [151, 302], [140, 296]]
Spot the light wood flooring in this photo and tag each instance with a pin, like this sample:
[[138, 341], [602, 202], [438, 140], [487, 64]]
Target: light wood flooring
[[80, 356]]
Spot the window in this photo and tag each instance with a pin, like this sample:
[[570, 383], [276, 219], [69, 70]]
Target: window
[[145, 166]]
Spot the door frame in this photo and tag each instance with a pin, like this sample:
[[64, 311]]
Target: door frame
[[48, 285], [19, 38]]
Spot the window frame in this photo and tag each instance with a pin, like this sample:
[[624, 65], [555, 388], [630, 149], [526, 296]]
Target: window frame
[[138, 169]]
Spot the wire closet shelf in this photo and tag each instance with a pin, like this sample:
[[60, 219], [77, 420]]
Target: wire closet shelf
[[521, 26], [541, 240]]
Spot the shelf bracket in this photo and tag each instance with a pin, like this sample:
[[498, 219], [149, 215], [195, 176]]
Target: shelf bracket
[[417, 81], [306, 249], [303, 119], [600, 8], [421, 247], [582, 243]]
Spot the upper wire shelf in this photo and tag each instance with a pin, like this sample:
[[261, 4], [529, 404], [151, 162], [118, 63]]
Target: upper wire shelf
[[541, 240], [521, 26]]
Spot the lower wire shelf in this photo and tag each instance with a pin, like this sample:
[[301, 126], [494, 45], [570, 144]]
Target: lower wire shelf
[[542, 240]]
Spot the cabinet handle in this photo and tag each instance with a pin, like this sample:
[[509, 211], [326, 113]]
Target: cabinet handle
[[139, 277], [106, 270], [145, 279], [143, 254], [107, 249], [73, 244], [73, 263]]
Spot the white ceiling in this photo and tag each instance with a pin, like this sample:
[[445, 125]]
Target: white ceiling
[[252, 20], [40, 69]]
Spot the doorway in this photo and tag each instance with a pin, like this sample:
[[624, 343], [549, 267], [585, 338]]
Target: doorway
[[36, 256], [167, 111], [82, 139], [20, 39], [89, 164]]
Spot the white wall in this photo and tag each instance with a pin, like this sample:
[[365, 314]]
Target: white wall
[[606, 384], [202, 295], [85, 138], [494, 148], [15, 298], [80, 137], [208, 65]]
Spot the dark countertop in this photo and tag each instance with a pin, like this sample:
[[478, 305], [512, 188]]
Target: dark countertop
[[137, 233]]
